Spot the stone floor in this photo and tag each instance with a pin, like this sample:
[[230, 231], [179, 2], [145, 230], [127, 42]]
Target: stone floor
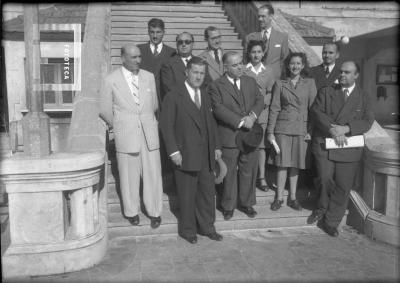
[[303, 254]]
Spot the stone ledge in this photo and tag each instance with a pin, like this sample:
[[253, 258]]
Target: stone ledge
[[382, 228]]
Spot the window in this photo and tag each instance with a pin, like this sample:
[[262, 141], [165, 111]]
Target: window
[[57, 81]]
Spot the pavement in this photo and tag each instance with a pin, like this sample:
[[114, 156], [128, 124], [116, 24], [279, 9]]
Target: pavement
[[300, 254]]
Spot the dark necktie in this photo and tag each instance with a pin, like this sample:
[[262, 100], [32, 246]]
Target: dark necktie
[[346, 94], [155, 50], [237, 90], [197, 98], [216, 56], [326, 71]]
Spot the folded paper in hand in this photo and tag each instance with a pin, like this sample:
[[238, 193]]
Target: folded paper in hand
[[276, 147], [353, 141]]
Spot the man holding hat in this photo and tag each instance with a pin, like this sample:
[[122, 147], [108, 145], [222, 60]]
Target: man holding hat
[[237, 103], [191, 139]]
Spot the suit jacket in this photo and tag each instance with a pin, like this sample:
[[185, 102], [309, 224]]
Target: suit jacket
[[153, 63], [318, 73], [289, 108], [214, 69], [330, 108], [173, 74], [182, 128], [276, 49], [120, 111], [229, 109], [265, 81]]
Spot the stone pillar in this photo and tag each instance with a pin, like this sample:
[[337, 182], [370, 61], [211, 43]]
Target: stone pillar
[[35, 124]]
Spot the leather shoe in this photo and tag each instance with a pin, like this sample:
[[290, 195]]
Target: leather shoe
[[249, 211], [227, 214], [331, 231], [215, 236], [190, 239], [135, 220], [276, 204], [294, 204], [315, 216], [264, 188], [155, 222]]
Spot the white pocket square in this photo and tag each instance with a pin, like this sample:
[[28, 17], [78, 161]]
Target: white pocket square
[[277, 45], [336, 82]]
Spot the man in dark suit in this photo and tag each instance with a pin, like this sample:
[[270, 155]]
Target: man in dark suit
[[173, 70], [213, 53], [237, 102], [338, 112], [276, 42], [328, 72], [155, 51], [190, 134]]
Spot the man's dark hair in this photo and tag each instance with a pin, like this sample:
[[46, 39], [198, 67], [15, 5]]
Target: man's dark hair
[[210, 28], [196, 61], [191, 36], [228, 55], [156, 23], [269, 7], [333, 43]]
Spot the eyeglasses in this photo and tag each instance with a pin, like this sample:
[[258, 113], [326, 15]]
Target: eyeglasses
[[187, 42]]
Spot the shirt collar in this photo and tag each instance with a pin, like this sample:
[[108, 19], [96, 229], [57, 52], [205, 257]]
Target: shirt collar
[[330, 67], [159, 46], [349, 88], [231, 80], [251, 68], [186, 58], [268, 30], [127, 73]]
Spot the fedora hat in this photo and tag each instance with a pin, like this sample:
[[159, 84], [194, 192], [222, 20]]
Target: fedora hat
[[248, 140], [220, 171]]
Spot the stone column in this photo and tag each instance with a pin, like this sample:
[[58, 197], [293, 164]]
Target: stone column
[[35, 124]]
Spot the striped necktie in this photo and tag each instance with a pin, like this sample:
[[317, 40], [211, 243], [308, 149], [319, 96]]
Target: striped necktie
[[346, 94], [135, 89], [197, 98]]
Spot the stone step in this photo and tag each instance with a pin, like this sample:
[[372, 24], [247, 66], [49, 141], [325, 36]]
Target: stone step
[[119, 26], [167, 4], [172, 32], [217, 13], [200, 45], [166, 7], [183, 19], [167, 38], [266, 218]]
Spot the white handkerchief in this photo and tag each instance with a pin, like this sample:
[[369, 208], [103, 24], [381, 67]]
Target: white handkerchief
[[336, 82], [277, 45], [353, 141]]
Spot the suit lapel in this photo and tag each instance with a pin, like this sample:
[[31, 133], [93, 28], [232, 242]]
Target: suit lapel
[[142, 89], [349, 104], [212, 63], [288, 86], [189, 105], [230, 90], [125, 91]]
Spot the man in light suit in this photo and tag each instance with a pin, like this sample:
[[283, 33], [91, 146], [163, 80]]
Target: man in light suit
[[128, 104], [214, 52], [338, 112], [328, 72], [155, 51], [237, 102], [276, 42], [190, 134], [173, 70]]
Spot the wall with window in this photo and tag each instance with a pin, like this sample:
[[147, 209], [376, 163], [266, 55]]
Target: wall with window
[[58, 95]]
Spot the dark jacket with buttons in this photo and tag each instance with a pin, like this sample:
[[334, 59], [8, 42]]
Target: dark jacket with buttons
[[290, 106]]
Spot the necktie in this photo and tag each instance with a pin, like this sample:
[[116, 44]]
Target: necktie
[[216, 56], [197, 98], [346, 94], [135, 89], [264, 35], [155, 50], [186, 61], [238, 92], [326, 71]]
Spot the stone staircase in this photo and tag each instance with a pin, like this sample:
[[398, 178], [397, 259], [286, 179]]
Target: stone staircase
[[129, 24]]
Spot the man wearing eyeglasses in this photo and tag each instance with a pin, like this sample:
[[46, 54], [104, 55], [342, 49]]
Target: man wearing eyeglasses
[[213, 53], [173, 70]]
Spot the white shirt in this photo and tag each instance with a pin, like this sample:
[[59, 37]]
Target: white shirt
[[251, 67], [159, 47], [330, 67], [211, 52], [186, 58], [130, 78], [349, 88], [192, 91], [233, 81], [267, 32]]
